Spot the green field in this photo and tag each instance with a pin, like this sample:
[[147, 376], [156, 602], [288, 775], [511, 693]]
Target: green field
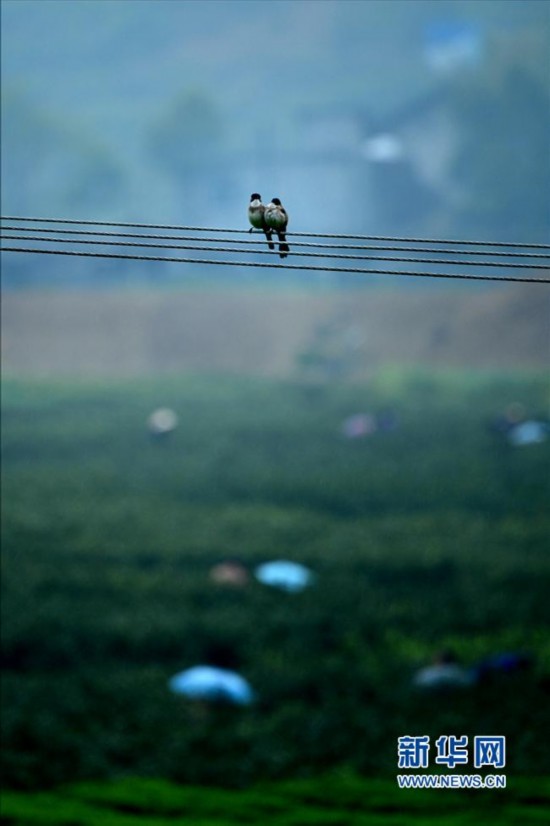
[[431, 535], [333, 800]]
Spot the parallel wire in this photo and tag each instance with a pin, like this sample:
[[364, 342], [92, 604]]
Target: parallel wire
[[119, 256], [253, 242], [202, 248], [489, 249], [179, 228]]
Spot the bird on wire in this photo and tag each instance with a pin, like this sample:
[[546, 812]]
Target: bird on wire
[[277, 219], [256, 216]]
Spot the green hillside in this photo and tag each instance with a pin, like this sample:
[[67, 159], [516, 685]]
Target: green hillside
[[430, 534]]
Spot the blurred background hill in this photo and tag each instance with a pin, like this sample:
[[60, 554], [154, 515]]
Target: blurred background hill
[[396, 117]]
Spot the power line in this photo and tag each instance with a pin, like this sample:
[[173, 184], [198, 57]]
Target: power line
[[202, 248], [179, 228], [248, 246], [254, 242], [119, 256]]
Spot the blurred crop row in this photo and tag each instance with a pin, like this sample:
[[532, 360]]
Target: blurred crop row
[[427, 536]]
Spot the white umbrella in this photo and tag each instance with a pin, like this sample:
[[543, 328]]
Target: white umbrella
[[162, 421], [205, 682], [289, 576]]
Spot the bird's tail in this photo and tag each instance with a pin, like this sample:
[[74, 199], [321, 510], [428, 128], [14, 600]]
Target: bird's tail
[[283, 246], [269, 236]]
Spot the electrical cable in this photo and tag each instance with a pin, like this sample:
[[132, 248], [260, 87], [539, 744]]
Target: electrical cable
[[254, 242], [311, 268], [179, 228], [393, 259]]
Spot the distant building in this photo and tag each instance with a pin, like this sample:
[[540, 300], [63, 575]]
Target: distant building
[[319, 173], [331, 131], [410, 156]]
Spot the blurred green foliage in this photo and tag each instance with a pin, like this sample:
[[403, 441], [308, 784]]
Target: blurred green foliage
[[188, 139], [431, 535], [47, 160], [502, 166], [333, 800]]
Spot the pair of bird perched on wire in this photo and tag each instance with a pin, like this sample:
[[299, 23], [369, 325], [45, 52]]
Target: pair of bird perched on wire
[[269, 218]]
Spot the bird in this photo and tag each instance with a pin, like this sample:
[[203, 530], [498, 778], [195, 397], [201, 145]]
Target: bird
[[277, 219], [256, 216]]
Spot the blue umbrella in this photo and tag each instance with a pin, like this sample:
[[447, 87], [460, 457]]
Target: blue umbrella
[[443, 675], [289, 576], [205, 682], [528, 433]]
